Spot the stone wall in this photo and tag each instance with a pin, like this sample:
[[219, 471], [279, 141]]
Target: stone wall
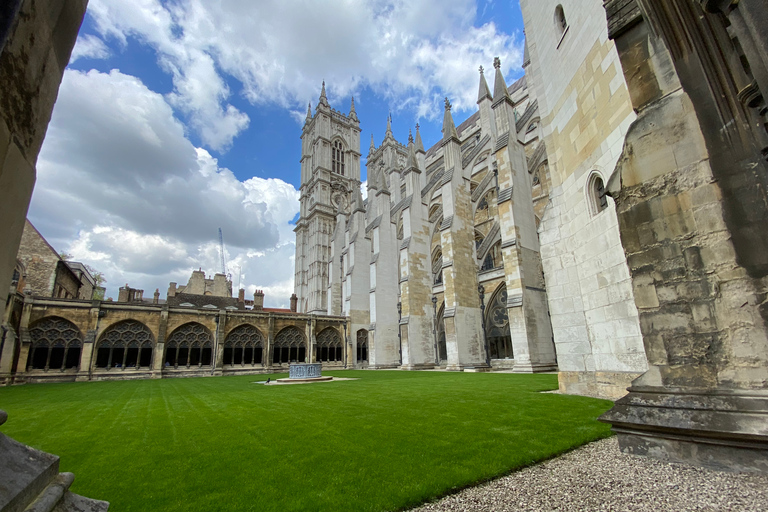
[[585, 113], [36, 38], [690, 189]]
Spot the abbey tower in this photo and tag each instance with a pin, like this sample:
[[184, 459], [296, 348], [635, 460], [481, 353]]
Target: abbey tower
[[330, 171]]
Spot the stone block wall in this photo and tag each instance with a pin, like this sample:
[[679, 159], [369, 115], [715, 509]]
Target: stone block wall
[[36, 39], [585, 113]]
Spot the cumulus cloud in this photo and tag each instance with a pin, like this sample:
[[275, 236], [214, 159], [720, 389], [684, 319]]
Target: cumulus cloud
[[118, 176], [89, 46], [412, 52]]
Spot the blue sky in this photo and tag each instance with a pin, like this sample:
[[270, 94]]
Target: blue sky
[[176, 118]]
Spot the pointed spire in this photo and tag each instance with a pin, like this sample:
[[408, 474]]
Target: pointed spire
[[419, 144], [389, 127], [309, 112], [323, 98], [484, 91], [412, 163], [352, 113], [373, 146], [359, 205], [410, 137], [449, 129], [500, 86]]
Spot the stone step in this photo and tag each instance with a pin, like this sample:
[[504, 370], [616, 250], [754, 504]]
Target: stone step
[[30, 481]]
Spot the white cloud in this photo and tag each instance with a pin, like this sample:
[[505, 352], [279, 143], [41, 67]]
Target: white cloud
[[412, 52], [142, 204], [90, 47]]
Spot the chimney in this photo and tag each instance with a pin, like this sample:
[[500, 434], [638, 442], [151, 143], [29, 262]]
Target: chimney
[[122, 295], [241, 298], [294, 302], [258, 300], [172, 290], [156, 300]]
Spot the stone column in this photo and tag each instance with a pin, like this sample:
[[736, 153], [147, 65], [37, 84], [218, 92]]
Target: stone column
[[220, 338], [462, 316], [415, 273], [270, 341], [527, 308]]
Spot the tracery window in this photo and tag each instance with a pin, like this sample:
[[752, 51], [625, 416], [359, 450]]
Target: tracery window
[[126, 344], [497, 326], [244, 346], [493, 259], [189, 345], [362, 346], [337, 157], [56, 344], [290, 346], [329, 347]]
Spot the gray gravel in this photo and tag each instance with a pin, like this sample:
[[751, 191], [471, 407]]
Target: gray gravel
[[599, 477]]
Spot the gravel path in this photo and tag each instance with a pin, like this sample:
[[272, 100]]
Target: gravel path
[[599, 477]]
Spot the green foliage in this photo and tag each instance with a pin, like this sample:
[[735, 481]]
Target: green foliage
[[65, 256], [387, 441], [98, 277]]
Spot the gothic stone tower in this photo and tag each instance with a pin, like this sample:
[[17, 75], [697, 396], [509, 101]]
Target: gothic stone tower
[[330, 172]]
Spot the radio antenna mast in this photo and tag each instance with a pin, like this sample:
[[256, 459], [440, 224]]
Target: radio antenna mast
[[221, 250]]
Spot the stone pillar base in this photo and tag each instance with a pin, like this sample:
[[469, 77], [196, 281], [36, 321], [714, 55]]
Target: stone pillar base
[[717, 429], [422, 366], [463, 367], [534, 367], [393, 366]]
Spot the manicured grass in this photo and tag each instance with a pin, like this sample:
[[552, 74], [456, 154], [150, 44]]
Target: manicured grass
[[387, 441]]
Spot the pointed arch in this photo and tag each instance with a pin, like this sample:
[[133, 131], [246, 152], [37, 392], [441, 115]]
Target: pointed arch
[[125, 344], [244, 346], [329, 348], [56, 345], [497, 325], [442, 349], [290, 346], [189, 345], [362, 346]]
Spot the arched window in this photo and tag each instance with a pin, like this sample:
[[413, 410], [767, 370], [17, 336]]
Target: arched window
[[493, 259], [56, 344], [290, 346], [560, 23], [437, 266], [126, 344], [596, 193], [244, 346], [189, 345], [337, 157], [362, 346], [329, 347], [532, 127], [442, 351], [497, 326]]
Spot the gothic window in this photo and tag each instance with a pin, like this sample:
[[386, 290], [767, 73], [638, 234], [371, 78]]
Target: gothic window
[[596, 194], [56, 344], [289, 346], [329, 347], [442, 351], [189, 345], [337, 157], [478, 240], [437, 267], [536, 180], [126, 344], [486, 207], [560, 23], [493, 259], [362, 346], [497, 326], [244, 346]]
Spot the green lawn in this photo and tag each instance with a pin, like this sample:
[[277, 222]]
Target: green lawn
[[387, 441]]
